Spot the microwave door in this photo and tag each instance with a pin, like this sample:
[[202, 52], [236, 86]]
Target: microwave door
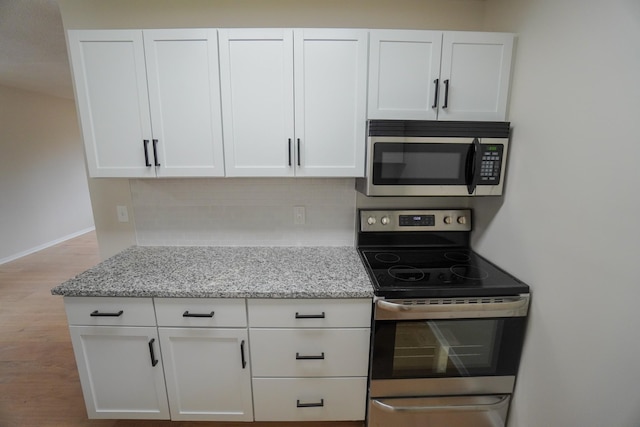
[[472, 166]]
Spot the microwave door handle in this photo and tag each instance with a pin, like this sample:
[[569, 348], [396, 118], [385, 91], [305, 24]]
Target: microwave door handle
[[472, 166]]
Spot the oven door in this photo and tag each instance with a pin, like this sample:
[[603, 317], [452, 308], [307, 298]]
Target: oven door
[[448, 339], [458, 411]]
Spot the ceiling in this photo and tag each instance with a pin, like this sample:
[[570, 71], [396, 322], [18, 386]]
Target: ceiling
[[33, 50]]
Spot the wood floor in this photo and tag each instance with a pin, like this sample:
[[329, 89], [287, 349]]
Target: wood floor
[[39, 384]]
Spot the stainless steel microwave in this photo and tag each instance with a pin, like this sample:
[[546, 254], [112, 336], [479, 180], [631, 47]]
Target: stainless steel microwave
[[430, 158]]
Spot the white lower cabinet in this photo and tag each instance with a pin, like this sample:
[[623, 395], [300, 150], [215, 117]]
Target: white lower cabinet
[[115, 342], [310, 352], [207, 373], [206, 358], [310, 358], [309, 399], [189, 359], [120, 371]]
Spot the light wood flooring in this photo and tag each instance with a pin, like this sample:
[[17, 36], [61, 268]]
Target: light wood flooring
[[39, 384]]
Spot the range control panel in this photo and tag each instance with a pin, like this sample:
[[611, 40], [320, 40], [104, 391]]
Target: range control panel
[[415, 220]]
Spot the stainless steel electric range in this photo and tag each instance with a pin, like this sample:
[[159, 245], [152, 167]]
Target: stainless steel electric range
[[449, 325]]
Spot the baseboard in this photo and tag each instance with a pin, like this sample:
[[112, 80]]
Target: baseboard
[[45, 245]]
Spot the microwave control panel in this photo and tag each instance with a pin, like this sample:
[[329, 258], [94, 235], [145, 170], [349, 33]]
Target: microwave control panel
[[490, 164]]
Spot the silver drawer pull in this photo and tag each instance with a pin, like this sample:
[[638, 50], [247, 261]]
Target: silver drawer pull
[[310, 405]]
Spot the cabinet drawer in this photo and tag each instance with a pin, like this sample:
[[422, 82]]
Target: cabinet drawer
[[204, 312], [310, 352], [309, 313], [309, 399], [108, 311]]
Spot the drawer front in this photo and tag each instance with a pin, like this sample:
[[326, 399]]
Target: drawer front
[[309, 399], [201, 312], [309, 352], [309, 313], [108, 311]]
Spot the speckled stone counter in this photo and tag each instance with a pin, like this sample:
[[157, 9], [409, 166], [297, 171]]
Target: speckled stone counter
[[225, 272]]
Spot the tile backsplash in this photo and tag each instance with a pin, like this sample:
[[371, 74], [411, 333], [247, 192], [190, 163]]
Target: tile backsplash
[[244, 211]]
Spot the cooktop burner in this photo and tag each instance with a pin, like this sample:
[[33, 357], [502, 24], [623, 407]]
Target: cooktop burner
[[426, 254], [429, 272]]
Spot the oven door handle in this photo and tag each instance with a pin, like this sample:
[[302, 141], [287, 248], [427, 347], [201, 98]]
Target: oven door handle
[[448, 308], [501, 402]]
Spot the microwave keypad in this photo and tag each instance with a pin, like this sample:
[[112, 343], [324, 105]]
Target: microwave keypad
[[491, 164]]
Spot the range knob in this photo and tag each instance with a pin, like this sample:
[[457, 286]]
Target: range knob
[[371, 220], [462, 220], [385, 220], [448, 220]]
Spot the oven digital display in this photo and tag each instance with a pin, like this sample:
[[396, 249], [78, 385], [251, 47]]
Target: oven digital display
[[417, 220]]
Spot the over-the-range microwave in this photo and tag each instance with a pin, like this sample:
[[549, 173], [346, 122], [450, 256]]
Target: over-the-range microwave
[[431, 158]]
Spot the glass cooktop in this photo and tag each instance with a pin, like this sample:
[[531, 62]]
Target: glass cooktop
[[434, 273]]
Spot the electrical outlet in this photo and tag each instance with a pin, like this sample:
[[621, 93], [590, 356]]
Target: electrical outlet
[[298, 215], [123, 213]]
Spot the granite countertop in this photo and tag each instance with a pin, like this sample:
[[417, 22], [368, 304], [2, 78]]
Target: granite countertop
[[225, 272]]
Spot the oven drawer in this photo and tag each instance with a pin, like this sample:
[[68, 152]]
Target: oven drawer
[[460, 411], [306, 352], [309, 399]]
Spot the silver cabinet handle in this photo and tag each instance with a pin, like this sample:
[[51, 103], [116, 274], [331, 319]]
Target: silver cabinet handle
[[508, 307], [499, 403]]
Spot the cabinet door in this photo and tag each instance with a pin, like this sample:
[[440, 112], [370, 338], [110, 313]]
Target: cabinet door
[[256, 72], [120, 371], [404, 66], [207, 372], [476, 67], [184, 98], [111, 91], [330, 101]]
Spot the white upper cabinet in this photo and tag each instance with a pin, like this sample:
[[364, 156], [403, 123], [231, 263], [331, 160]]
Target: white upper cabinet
[[477, 68], [403, 67], [184, 98], [256, 71], [113, 104], [294, 101], [148, 101], [431, 75], [330, 101]]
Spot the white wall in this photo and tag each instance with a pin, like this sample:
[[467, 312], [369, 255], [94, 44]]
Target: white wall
[[43, 186], [244, 212], [568, 223]]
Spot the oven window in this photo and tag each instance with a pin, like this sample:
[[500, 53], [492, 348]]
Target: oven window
[[447, 348], [444, 347]]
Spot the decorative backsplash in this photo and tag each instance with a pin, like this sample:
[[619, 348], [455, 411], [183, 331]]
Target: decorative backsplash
[[244, 211]]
